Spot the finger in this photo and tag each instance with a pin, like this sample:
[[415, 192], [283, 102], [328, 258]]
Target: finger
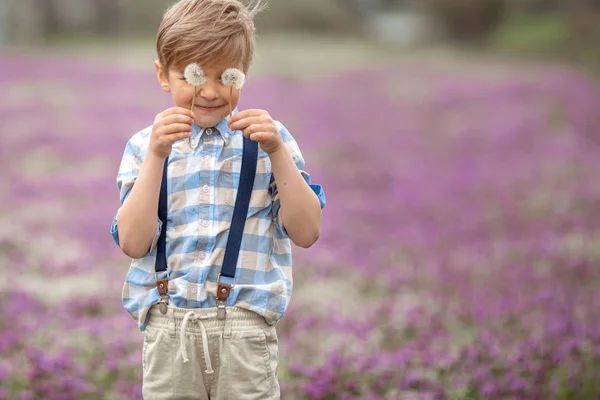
[[244, 123], [248, 113], [175, 128], [178, 136], [257, 137], [257, 128], [176, 110], [177, 118]]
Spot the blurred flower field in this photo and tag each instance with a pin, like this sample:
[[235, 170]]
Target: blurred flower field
[[460, 250]]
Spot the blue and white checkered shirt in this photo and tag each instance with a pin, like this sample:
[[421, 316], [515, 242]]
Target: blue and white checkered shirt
[[202, 186]]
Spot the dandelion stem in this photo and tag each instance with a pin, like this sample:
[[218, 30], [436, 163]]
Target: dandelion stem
[[230, 95], [192, 110]]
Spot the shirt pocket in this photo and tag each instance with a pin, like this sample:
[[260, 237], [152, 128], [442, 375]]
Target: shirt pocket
[[229, 179]]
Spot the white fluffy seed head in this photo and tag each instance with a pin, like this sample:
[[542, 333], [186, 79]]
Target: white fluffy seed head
[[233, 77], [194, 75]]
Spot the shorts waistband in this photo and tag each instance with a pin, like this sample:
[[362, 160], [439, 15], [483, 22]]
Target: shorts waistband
[[236, 317]]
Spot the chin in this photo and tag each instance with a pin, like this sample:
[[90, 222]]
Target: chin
[[207, 122]]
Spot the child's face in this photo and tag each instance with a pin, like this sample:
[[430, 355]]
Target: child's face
[[212, 98]]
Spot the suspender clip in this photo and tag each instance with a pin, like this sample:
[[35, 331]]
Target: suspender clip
[[221, 312], [163, 289], [162, 305], [223, 291]]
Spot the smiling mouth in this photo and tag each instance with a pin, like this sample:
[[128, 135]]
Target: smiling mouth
[[204, 108]]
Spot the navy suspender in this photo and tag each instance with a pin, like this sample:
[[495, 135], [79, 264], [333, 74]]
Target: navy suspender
[[240, 211], [161, 251], [236, 231]]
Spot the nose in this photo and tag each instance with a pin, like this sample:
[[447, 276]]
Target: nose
[[208, 92]]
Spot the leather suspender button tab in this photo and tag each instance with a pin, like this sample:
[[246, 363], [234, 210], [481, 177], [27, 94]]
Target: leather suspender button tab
[[223, 291], [163, 286]]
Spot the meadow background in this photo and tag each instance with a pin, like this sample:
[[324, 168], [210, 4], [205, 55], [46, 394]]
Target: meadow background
[[458, 146]]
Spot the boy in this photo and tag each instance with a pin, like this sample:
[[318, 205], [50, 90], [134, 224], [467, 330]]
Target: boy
[[200, 342]]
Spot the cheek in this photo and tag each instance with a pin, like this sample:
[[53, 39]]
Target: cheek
[[181, 87], [186, 91]]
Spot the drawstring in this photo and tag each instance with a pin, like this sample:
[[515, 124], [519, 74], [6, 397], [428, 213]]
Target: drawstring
[[193, 317]]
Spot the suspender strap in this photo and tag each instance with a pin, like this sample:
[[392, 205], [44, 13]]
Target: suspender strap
[[240, 211], [236, 231], [161, 251]]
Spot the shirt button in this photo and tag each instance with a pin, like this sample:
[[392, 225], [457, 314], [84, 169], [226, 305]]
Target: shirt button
[[205, 188], [202, 255], [205, 222], [209, 131], [193, 290]]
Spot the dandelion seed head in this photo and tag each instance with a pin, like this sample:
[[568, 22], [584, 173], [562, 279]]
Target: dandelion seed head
[[233, 77], [194, 75]]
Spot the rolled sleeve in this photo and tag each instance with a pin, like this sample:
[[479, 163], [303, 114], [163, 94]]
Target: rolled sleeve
[[114, 231], [318, 189], [294, 150]]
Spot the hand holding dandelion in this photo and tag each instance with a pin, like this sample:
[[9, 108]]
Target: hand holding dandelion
[[235, 79], [258, 126], [170, 126], [194, 75]]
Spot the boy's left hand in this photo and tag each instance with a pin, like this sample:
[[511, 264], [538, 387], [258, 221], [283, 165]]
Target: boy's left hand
[[258, 126]]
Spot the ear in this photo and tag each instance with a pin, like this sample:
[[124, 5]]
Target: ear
[[162, 77]]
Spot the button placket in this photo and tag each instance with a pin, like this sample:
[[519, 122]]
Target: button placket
[[192, 291], [204, 201]]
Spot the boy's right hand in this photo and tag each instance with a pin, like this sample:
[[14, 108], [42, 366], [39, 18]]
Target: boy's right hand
[[170, 126]]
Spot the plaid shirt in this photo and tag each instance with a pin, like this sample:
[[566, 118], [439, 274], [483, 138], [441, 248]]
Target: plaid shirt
[[202, 186]]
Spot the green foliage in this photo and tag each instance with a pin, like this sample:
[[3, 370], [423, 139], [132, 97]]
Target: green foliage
[[533, 33]]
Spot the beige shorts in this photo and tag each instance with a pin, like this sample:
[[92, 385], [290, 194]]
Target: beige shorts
[[190, 354]]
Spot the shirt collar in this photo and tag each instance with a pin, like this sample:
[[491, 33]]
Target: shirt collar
[[222, 128]]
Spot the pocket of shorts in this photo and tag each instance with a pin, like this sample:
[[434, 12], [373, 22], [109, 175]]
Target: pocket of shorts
[[272, 346], [144, 349], [157, 360], [147, 340], [250, 365]]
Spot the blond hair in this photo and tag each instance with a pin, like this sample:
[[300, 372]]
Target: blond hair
[[207, 31]]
